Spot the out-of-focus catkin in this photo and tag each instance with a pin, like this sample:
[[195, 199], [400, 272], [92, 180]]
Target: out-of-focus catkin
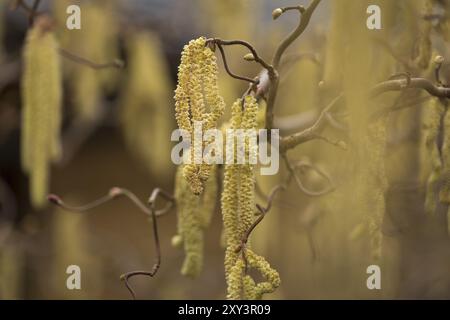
[[444, 193], [97, 41], [435, 114], [145, 100], [197, 101], [194, 213], [41, 117]]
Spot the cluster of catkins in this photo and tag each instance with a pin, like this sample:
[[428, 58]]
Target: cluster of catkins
[[197, 100], [41, 120]]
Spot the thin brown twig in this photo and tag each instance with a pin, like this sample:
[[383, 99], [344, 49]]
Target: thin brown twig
[[310, 133], [262, 212], [227, 68], [152, 204], [297, 32], [83, 61], [256, 57], [150, 211], [305, 17], [112, 194], [302, 164], [414, 83]]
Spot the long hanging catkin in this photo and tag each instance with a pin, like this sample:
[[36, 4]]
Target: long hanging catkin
[[145, 102], [194, 213], [435, 114], [238, 212], [97, 41], [41, 119], [197, 101]]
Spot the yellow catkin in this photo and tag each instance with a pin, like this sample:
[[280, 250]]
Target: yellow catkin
[[144, 103], [444, 193], [424, 45], [96, 41], [242, 286], [435, 114], [238, 212], [194, 215], [209, 198], [197, 99], [230, 200], [189, 226], [41, 119], [376, 183]]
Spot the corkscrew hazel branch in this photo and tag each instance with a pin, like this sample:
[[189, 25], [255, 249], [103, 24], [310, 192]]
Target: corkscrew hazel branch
[[219, 43], [392, 84], [306, 165], [151, 211], [414, 83], [113, 194], [253, 56], [83, 61], [311, 132], [227, 68], [305, 17], [152, 205]]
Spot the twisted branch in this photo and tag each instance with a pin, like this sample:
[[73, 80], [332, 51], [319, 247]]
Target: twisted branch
[[150, 211]]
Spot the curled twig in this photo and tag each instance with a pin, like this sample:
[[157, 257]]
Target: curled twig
[[83, 61], [416, 83], [227, 68], [255, 56], [150, 211], [306, 165], [262, 213], [112, 194], [310, 133], [152, 205]]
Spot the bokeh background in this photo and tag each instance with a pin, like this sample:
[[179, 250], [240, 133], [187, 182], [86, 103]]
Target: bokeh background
[[116, 135]]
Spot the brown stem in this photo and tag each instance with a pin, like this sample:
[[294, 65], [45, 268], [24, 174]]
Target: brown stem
[[83, 61], [304, 21], [256, 56], [233, 75], [416, 83], [310, 133], [152, 205]]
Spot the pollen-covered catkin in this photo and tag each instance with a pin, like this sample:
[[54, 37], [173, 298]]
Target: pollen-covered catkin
[[230, 197], [197, 100], [41, 118], [238, 208], [242, 286]]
